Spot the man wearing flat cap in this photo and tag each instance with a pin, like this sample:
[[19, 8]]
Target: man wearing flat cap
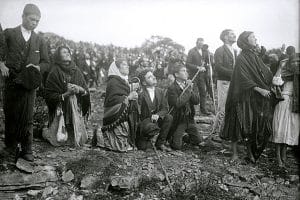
[[25, 60]]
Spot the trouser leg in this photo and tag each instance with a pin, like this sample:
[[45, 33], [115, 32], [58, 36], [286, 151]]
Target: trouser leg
[[201, 84], [165, 125], [178, 136], [194, 135]]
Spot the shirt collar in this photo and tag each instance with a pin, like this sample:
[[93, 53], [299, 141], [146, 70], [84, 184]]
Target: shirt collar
[[229, 47], [24, 30], [151, 89], [181, 84]]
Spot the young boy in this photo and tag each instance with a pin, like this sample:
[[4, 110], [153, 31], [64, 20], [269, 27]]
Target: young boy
[[182, 108], [155, 120]]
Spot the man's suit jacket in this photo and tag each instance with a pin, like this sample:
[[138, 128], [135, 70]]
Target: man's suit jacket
[[183, 107], [224, 63], [159, 106], [37, 54], [194, 59]]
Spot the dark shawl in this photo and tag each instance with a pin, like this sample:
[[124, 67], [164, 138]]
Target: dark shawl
[[56, 85], [248, 115], [116, 109]]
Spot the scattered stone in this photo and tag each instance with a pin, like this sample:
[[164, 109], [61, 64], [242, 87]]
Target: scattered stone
[[189, 185], [159, 176], [277, 194], [279, 180], [267, 180], [55, 191], [33, 192], [47, 191], [294, 178], [25, 166], [88, 181], [205, 174], [166, 191], [227, 178], [74, 197], [188, 170], [286, 182], [17, 197], [67, 176], [16, 180], [232, 171], [224, 187], [256, 198], [124, 182], [176, 153]]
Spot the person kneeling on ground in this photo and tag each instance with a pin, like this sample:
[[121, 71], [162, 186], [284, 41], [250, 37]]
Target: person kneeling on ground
[[66, 90], [182, 101], [155, 120]]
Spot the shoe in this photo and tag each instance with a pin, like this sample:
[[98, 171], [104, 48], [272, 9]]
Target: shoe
[[164, 148], [28, 157]]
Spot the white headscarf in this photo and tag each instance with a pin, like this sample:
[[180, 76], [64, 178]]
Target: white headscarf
[[114, 70]]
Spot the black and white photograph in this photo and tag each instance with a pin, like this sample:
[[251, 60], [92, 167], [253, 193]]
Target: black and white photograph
[[149, 100]]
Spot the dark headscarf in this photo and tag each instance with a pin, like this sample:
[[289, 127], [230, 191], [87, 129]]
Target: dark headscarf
[[58, 60], [243, 42], [56, 84]]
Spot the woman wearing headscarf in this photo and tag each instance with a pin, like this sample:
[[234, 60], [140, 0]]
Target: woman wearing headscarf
[[118, 132], [286, 115], [248, 110], [65, 82]]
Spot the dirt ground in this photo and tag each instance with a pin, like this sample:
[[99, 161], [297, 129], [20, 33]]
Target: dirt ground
[[202, 172]]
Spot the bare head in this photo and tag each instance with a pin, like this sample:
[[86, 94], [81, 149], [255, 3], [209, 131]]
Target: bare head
[[31, 16]]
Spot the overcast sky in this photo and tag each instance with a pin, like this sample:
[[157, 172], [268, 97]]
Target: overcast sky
[[129, 23]]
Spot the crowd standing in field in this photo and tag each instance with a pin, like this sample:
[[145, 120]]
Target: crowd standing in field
[[151, 97]]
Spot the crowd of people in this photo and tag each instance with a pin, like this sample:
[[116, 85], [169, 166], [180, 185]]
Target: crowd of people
[[150, 99]]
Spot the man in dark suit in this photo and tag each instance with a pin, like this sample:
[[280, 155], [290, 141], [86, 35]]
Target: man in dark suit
[[154, 110], [196, 60], [182, 109], [224, 63], [24, 49]]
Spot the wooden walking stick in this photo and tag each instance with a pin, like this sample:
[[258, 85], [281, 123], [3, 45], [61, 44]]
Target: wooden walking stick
[[162, 167], [194, 77]]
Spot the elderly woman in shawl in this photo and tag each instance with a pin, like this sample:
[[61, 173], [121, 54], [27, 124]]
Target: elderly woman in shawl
[[65, 83], [286, 116], [248, 110], [118, 132]]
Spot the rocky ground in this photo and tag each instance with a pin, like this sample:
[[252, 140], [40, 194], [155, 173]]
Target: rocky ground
[[202, 172]]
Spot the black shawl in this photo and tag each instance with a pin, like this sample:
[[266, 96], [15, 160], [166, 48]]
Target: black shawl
[[56, 85], [115, 107], [248, 115]]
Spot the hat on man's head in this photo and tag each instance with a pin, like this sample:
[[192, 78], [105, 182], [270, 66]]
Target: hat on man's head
[[31, 9]]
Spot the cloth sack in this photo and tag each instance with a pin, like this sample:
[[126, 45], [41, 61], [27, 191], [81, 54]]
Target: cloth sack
[[80, 132], [56, 134]]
